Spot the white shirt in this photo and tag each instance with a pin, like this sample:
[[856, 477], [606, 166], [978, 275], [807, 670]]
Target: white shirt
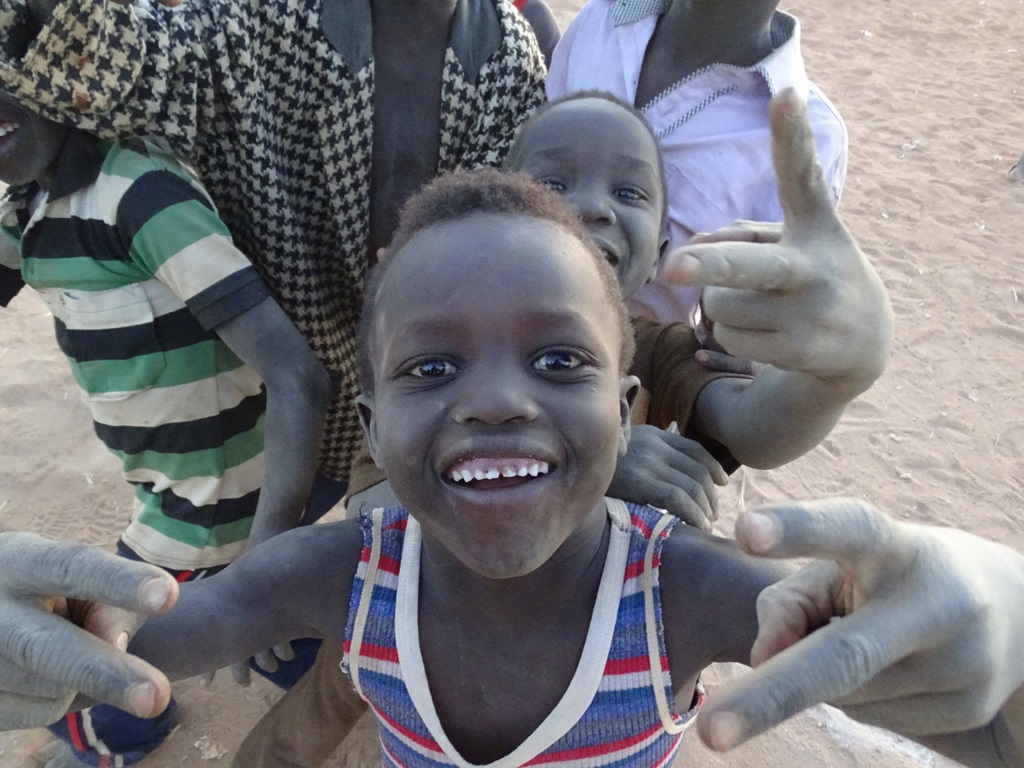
[[712, 125]]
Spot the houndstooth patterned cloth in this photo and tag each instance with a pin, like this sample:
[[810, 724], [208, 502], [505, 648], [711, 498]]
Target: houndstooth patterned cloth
[[279, 125]]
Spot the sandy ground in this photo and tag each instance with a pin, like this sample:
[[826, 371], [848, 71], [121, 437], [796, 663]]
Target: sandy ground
[[932, 96]]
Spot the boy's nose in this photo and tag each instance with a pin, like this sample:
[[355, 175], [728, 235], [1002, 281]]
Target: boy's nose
[[592, 206], [497, 396]]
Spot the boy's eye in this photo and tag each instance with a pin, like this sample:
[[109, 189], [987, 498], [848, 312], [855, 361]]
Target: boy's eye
[[559, 360], [432, 369], [631, 193], [553, 185]]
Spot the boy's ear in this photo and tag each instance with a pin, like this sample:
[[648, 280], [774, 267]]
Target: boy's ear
[[364, 407], [629, 388]]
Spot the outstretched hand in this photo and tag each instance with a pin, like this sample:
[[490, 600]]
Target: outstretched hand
[[805, 299], [930, 631], [67, 612]]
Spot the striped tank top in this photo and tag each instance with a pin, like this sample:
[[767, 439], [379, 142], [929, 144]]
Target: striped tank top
[[618, 708]]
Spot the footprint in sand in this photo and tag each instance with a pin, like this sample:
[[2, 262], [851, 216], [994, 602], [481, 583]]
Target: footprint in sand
[[1016, 174]]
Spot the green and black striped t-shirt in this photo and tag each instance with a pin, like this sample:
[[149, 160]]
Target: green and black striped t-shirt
[[138, 269]]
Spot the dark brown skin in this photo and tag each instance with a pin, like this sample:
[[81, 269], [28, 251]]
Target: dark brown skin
[[693, 34], [406, 105]]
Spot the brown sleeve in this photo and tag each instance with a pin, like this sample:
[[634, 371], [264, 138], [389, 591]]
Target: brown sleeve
[[666, 368]]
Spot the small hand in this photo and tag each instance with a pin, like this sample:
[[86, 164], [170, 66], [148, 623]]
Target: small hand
[[810, 302], [930, 635], [671, 472], [66, 615]]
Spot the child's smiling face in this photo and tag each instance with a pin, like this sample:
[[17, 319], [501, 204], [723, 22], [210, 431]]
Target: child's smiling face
[[605, 162], [495, 356]]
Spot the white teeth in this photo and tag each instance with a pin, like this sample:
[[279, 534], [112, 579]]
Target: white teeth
[[6, 128], [467, 475]]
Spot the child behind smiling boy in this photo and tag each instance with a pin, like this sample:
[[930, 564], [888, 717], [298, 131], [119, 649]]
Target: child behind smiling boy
[[522, 617], [171, 334]]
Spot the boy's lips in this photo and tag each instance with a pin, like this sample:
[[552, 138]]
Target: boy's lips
[[607, 249]]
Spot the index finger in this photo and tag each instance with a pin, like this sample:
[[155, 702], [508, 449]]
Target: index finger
[[34, 565], [831, 663], [735, 264]]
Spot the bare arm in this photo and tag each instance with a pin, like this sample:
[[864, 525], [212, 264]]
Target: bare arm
[[810, 306], [296, 585], [928, 645], [52, 648], [298, 390]]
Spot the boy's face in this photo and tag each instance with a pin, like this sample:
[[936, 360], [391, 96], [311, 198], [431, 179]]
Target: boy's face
[[29, 144], [605, 162], [495, 357]]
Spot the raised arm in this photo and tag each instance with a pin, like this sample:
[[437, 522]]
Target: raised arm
[[298, 390], [928, 644], [810, 306]]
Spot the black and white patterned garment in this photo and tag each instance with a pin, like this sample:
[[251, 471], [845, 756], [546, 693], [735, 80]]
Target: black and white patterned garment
[[278, 122]]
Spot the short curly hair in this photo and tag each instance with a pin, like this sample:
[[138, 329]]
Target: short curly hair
[[457, 195]]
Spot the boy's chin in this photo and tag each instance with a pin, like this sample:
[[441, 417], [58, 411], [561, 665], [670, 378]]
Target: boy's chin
[[505, 565]]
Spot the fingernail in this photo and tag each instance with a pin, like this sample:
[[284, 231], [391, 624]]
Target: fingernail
[[760, 532], [726, 730], [140, 698], [122, 641], [154, 594]]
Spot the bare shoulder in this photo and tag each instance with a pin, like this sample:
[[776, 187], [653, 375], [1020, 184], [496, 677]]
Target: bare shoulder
[[709, 592]]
